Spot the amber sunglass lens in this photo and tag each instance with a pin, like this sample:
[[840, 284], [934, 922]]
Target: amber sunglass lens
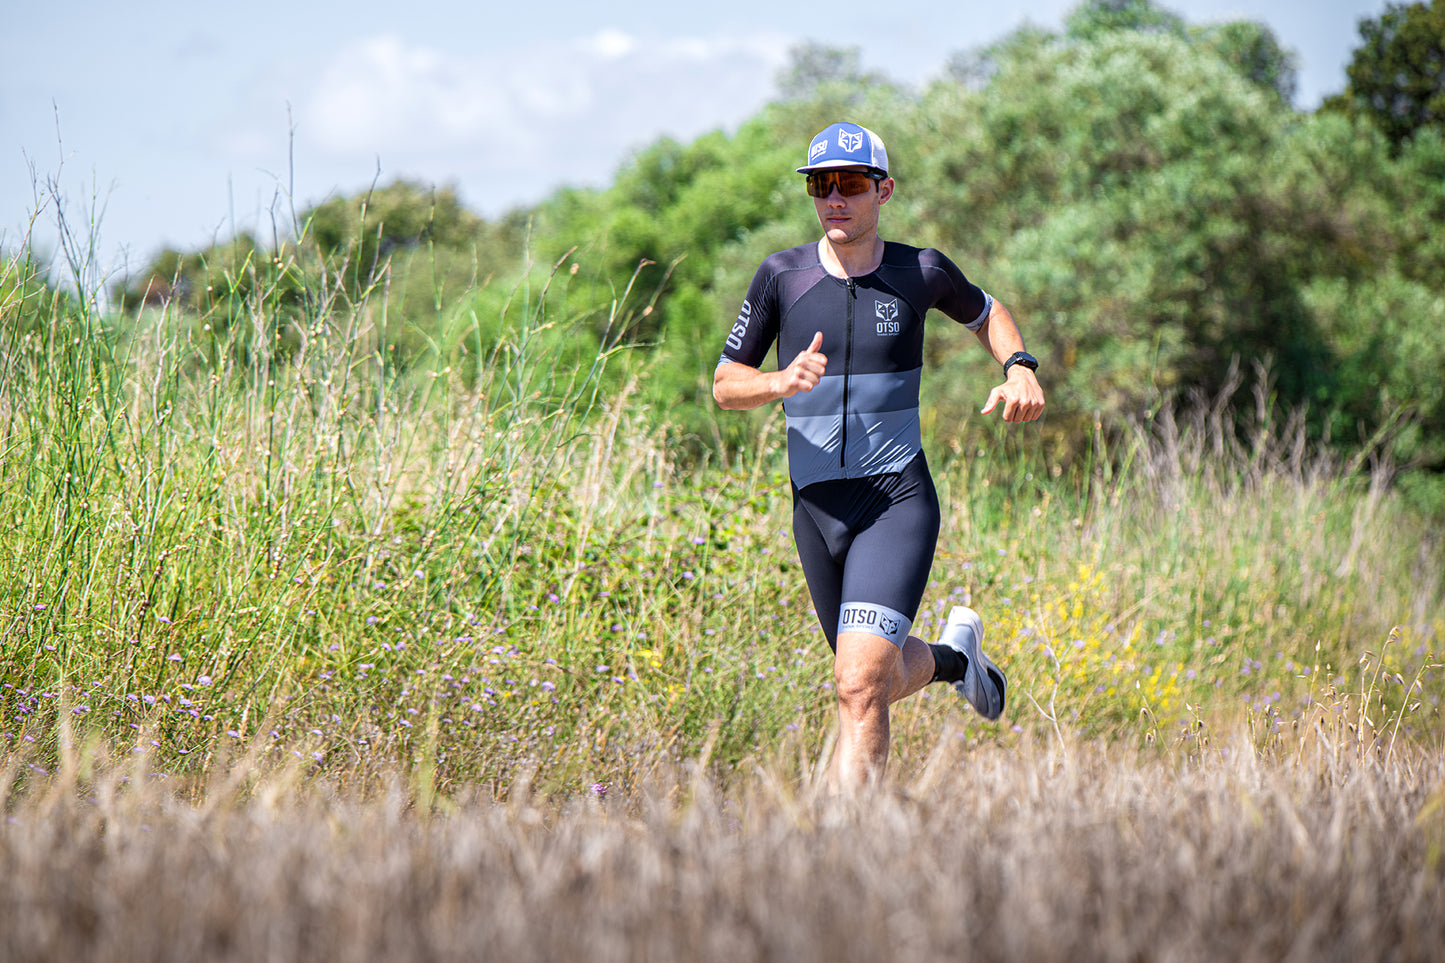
[[849, 183]]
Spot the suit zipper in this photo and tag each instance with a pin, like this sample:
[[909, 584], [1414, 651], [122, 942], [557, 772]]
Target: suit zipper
[[847, 370]]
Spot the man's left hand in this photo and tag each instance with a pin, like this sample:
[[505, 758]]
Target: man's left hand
[[1023, 399]]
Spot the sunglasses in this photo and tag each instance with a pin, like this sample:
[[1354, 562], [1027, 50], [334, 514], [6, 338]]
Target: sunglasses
[[849, 183]]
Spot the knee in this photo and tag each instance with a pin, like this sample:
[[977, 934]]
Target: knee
[[862, 687]]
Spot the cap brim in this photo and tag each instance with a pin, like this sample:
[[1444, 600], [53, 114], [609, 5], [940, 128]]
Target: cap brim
[[843, 162]]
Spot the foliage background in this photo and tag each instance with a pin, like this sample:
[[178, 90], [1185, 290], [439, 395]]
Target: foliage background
[[1140, 191]]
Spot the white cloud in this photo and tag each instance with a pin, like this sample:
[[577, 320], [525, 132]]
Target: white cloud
[[383, 92], [612, 43], [516, 121]]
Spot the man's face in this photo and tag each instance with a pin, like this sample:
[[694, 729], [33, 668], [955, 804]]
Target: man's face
[[851, 219]]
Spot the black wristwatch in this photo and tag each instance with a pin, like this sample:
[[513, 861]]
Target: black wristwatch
[[1023, 358]]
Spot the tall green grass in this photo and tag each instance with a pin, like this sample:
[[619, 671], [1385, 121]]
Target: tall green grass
[[253, 531]]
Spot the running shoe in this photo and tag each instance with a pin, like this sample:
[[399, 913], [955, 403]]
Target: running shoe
[[983, 685]]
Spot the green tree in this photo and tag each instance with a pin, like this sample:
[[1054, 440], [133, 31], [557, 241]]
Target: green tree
[[1252, 49], [813, 65], [1397, 75], [367, 228], [976, 66], [216, 281], [1094, 18], [1119, 192]]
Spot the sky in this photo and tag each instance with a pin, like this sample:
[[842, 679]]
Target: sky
[[157, 123]]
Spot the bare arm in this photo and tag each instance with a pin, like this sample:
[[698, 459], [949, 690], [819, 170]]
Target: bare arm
[[1022, 397], [737, 386]]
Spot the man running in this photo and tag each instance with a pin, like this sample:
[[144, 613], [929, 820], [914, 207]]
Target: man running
[[848, 311]]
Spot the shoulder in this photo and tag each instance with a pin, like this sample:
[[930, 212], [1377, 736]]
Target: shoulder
[[896, 255], [939, 282], [906, 255], [786, 274], [798, 258], [931, 265]]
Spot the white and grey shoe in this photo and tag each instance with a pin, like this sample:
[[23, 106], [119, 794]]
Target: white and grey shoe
[[983, 684]]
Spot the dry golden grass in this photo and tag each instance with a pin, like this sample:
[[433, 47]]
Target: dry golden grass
[[1304, 845]]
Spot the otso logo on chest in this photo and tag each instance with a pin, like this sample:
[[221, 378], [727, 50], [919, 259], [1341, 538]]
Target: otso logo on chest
[[887, 313]]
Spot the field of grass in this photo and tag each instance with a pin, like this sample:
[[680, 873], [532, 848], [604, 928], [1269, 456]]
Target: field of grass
[[306, 654], [1307, 846]]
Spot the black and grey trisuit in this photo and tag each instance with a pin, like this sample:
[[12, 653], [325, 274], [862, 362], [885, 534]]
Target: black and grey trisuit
[[865, 514]]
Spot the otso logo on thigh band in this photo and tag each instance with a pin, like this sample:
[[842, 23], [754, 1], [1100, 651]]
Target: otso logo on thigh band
[[876, 620]]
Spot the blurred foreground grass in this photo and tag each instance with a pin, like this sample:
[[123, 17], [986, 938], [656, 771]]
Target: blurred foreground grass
[[1308, 843]]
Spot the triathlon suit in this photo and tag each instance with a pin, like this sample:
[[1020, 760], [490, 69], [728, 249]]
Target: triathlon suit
[[865, 512]]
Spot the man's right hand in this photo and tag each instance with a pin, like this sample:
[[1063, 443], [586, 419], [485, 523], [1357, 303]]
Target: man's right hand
[[805, 371], [737, 387]]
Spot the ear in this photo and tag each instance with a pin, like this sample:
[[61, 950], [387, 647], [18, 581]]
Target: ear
[[885, 190]]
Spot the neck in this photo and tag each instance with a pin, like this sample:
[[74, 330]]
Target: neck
[[853, 259]]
